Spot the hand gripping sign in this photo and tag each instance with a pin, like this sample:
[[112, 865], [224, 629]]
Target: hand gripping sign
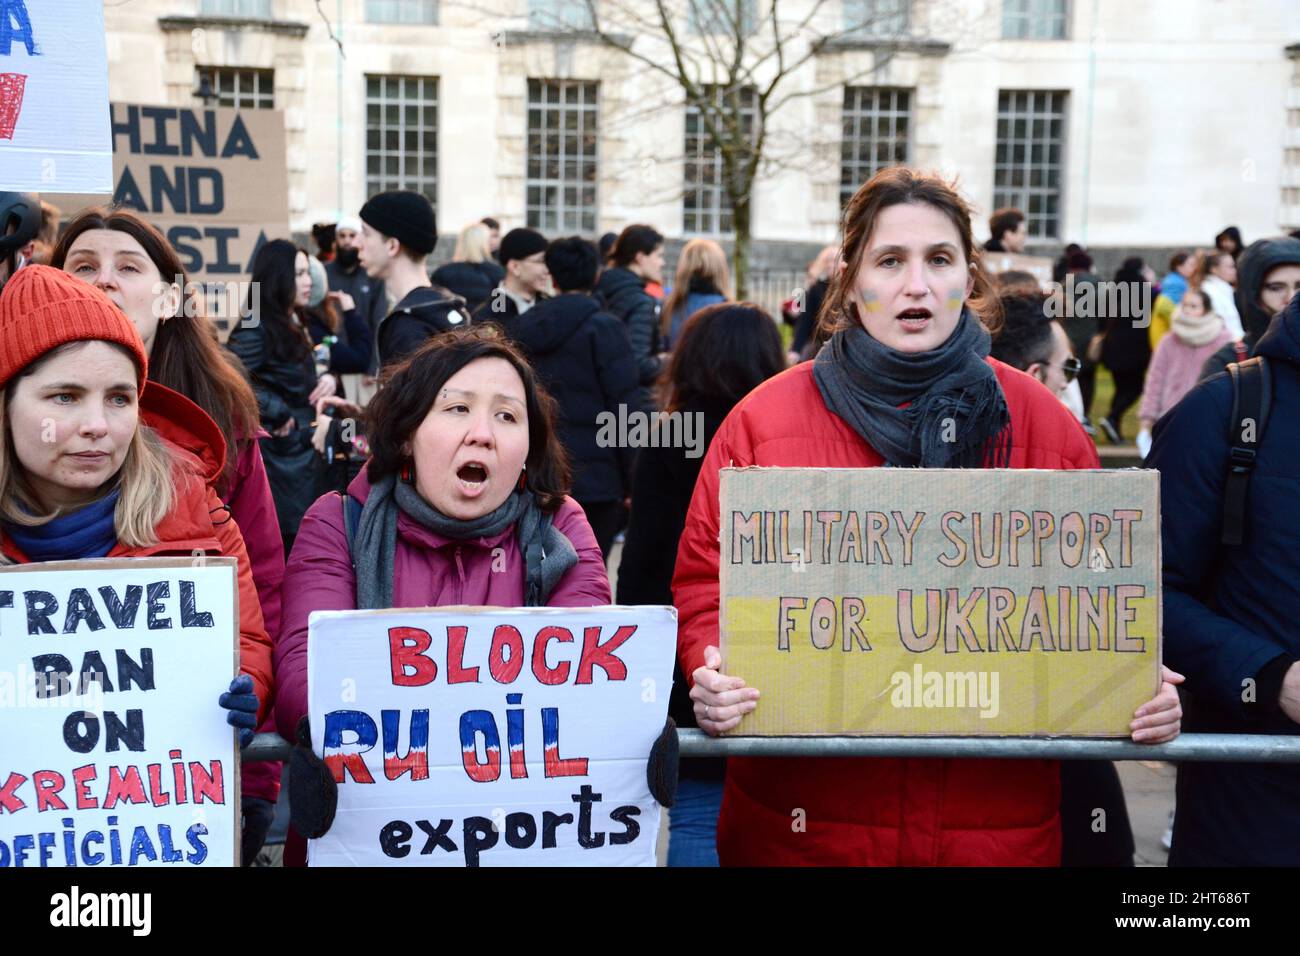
[[965, 602], [490, 736], [114, 750]]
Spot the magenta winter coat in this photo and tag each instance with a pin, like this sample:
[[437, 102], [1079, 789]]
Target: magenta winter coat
[[428, 571]]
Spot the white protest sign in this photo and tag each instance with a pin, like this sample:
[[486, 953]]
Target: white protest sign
[[115, 751], [54, 122], [490, 736]]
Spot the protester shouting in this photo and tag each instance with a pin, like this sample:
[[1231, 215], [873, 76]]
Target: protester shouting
[[466, 476], [108, 485], [908, 357], [137, 268], [724, 351]]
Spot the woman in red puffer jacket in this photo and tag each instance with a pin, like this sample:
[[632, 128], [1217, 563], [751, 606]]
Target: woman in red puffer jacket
[[908, 355]]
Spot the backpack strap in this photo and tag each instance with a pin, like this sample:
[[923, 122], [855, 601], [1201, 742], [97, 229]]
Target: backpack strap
[[1252, 396]]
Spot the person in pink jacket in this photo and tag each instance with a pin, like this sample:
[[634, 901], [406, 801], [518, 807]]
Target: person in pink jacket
[[1198, 332], [137, 268], [467, 476]]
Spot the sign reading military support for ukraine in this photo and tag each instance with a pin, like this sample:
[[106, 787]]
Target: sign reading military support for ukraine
[[955, 602]]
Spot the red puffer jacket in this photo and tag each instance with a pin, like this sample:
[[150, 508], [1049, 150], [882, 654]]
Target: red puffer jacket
[[865, 812], [198, 522]]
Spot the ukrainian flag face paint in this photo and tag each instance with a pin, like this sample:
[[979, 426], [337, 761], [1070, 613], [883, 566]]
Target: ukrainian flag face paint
[[913, 278]]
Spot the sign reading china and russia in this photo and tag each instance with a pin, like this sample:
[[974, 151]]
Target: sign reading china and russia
[[966, 602], [54, 134], [113, 751], [490, 736]]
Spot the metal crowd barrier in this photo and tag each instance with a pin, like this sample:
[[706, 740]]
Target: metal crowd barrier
[[1227, 748]]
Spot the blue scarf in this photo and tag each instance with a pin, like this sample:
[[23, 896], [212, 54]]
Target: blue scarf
[[88, 532]]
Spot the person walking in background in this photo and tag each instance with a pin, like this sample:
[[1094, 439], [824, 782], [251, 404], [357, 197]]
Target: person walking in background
[[525, 281], [1008, 231], [1218, 277], [398, 231], [583, 357], [1182, 266], [822, 270], [637, 258], [473, 273], [1269, 277], [1197, 333], [1082, 321], [724, 352], [1125, 346], [702, 278]]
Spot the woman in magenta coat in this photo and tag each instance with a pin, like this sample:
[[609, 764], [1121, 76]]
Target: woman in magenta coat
[[467, 477], [908, 354]]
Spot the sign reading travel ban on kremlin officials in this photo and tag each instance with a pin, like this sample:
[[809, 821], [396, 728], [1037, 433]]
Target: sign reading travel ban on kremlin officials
[[948, 602]]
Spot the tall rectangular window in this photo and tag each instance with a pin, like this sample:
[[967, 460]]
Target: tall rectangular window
[[1035, 19], [242, 89], [559, 15], [722, 16], [402, 134], [1029, 167], [877, 124], [249, 9], [563, 160], [423, 12], [706, 208], [877, 18]]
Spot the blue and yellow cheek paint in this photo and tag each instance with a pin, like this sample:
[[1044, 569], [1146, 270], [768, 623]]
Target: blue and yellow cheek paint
[[956, 297], [871, 301]]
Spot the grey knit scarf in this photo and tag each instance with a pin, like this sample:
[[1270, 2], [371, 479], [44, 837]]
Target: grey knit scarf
[[957, 416], [548, 554]]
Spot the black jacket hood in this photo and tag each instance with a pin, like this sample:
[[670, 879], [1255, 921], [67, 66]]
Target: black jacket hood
[[552, 322]]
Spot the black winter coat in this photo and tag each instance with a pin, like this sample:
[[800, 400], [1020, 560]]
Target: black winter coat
[[625, 298], [424, 312], [582, 356], [367, 293], [1230, 612], [472, 281], [662, 484]]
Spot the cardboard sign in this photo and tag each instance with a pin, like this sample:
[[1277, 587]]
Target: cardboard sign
[[115, 752], [215, 182], [490, 736], [53, 92], [948, 601], [1040, 267]]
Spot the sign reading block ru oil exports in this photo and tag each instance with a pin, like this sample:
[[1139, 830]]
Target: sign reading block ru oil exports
[[953, 602]]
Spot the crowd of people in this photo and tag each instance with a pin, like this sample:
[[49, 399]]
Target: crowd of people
[[492, 372]]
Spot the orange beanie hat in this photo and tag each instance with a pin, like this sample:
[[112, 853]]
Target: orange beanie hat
[[42, 308]]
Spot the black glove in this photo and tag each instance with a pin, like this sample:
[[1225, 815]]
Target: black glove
[[313, 794], [240, 705], [259, 814], [661, 768]]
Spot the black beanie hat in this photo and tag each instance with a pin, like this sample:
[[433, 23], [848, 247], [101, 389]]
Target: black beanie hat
[[520, 244], [404, 215]]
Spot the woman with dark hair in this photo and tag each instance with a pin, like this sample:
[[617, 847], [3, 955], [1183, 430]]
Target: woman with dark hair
[[274, 346], [907, 358], [1230, 241], [466, 476], [724, 351], [637, 258], [137, 268]]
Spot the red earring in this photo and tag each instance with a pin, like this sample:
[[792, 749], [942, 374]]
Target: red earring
[[523, 479], [406, 473]]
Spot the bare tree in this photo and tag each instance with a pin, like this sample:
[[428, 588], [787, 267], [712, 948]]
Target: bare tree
[[737, 63]]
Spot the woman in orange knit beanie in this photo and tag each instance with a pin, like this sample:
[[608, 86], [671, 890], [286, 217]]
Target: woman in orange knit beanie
[[82, 477]]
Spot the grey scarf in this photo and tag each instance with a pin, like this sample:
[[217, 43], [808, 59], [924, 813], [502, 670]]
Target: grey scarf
[[957, 416], [548, 554]]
